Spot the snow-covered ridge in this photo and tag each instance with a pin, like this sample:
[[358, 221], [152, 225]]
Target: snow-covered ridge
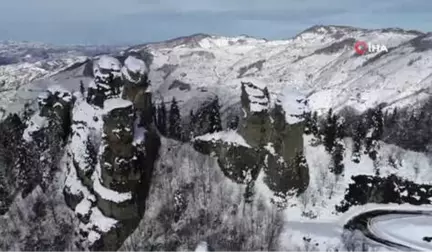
[[335, 78], [313, 63], [319, 61]]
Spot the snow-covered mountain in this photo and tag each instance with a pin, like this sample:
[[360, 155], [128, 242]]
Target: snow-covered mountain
[[22, 63], [218, 143], [320, 60]]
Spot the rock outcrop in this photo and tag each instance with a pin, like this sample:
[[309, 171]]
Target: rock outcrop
[[111, 153], [272, 137], [107, 80], [278, 128], [137, 87]]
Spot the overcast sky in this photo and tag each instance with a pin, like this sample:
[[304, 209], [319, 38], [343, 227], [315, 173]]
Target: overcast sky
[[137, 21]]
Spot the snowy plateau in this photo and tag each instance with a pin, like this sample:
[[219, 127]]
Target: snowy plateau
[[218, 143]]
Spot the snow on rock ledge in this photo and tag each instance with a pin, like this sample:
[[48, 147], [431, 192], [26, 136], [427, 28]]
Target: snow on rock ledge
[[35, 124], [116, 103], [135, 65], [99, 223], [231, 137], [294, 103], [139, 134], [108, 194], [108, 63], [135, 70], [202, 247], [101, 190], [258, 98]]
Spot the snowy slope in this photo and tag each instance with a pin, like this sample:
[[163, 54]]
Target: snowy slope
[[319, 61], [27, 68]]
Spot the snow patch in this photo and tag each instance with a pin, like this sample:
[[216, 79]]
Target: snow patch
[[105, 193], [108, 63], [87, 125], [294, 104], [230, 136], [98, 223], [259, 100], [57, 89], [270, 148], [102, 222], [116, 103], [256, 82], [135, 65], [139, 133], [83, 207], [202, 247], [35, 124]]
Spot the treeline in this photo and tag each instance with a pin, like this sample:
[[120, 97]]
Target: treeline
[[407, 128], [366, 130], [206, 119]]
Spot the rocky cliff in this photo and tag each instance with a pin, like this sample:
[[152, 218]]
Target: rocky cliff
[[269, 139], [98, 147], [113, 148], [103, 139]]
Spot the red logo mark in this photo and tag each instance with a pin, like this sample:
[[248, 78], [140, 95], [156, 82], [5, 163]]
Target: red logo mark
[[360, 47]]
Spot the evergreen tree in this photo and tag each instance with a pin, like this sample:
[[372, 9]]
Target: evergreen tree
[[192, 116], [358, 137], [376, 127], [215, 122], [233, 123], [302, 166], [154, 114], [307, 116], [301, 161], [338, 156], [82, 89], [28, 111], [378, 120], [4, 193], [314, 124], [340, 127], [330, 131], [174, 129], [249, 192], [161, 120]]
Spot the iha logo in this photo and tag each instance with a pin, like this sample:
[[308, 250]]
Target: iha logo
[[361, 48]]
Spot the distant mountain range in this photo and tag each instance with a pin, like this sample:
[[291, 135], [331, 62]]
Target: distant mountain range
[[320, 60]]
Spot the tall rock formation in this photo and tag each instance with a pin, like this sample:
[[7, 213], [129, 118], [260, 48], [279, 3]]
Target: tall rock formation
[[271, 134], [137, 87], [111, 153], [107, 80]]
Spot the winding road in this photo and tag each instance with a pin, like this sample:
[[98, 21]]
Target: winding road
[[400, 230]]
